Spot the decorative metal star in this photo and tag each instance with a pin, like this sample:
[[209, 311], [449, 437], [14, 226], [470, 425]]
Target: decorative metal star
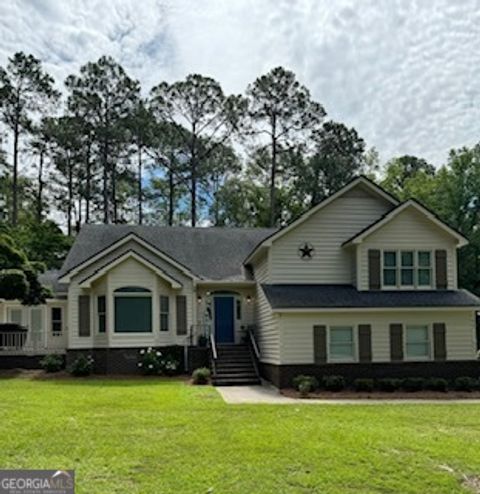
[[306, 251]]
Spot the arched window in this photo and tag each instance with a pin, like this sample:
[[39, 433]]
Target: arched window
[[133, 310]]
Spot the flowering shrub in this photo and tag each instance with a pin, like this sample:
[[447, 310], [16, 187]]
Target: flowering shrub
[[82, 366], [169, 365], [149, 362]]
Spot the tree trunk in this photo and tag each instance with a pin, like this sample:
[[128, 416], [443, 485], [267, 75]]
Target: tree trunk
[[114, 192], [15, 175], [140, 192], [105, 183], [70, 198], [40, 188], [171, 192], [273, 173], [88, 184], [193, 179]]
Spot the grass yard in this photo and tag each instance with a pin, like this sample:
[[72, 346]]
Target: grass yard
[[161, 437]]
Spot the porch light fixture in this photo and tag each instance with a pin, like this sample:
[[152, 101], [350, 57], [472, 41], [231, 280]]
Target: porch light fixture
[[199, 299], [249, 299]]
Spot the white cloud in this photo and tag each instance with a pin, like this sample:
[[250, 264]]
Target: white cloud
[[404, 73]]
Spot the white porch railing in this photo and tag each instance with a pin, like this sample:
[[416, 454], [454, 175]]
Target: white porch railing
[[24, 343]]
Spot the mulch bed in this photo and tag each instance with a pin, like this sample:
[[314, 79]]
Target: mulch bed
[[383, 395]]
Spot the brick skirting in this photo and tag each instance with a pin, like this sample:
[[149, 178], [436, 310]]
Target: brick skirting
[[20, 361], [282, 375], [121, 360]]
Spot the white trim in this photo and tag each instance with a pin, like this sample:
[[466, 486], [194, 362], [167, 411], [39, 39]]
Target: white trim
[[360, 180], [87, 282], [462, 241], [227, 283], [373, 309], [67, 277]]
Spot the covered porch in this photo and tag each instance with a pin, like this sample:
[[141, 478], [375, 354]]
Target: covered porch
[[32, 330]]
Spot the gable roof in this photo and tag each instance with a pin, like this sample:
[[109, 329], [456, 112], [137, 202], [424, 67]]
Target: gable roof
[[207, 253], [386, 218], [309, 297], [360, 180], [130, 254]]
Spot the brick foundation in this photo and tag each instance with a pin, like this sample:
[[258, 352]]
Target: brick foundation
[[282, 375], [121, 360], [20, 361]]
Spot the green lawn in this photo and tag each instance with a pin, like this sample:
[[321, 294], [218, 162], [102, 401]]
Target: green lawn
[[159, 437]]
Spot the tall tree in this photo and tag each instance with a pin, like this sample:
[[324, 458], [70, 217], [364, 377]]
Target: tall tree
[[106, 96], [140, 127], [338, 157], [24, 90], [284, 114], [399, 172], [210, 118], [169, 169]]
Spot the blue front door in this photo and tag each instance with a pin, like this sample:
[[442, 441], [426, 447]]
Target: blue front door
[[224, 324]]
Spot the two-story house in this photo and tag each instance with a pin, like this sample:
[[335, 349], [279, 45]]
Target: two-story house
[[360, 285]]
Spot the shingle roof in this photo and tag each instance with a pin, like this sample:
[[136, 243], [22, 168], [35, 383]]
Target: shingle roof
[[210, 253], [50, 279], [347, 296]]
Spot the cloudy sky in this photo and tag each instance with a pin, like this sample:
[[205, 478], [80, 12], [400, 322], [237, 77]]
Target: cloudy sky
[[405, 74]]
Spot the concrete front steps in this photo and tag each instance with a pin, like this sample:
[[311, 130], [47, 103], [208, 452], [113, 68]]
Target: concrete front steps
[[234, 366]]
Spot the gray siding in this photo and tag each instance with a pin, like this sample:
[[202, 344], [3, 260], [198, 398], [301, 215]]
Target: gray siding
[[326, 231]]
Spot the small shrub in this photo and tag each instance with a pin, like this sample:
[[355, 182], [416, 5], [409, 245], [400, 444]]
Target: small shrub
[[437, 384], [412, 384], [312, 381], [389, 384], [149, 362], [333, 383], [363, 384], [169, 365], [201, 375], [52, 363], [465, 383], [82, 366], [202, 340], [304, 387]]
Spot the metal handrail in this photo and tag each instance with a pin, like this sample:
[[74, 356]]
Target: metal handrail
[[254, 344], [213, 346]]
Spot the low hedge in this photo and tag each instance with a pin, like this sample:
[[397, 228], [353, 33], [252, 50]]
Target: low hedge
[[308, 384]]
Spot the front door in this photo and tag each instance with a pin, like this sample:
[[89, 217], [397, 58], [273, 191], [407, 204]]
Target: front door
[[224, 323]]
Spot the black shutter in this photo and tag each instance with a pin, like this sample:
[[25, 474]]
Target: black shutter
[[396, 342], [441, 269], [320, 344], [84, 315], [181, 314], [364, 342], [439, 341], [374, 280]]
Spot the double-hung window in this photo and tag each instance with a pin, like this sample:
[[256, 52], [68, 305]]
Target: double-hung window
[[56, 319], [424, 268], [390, 268], [102, 313], [164, 313], [407, 269], [417, 342], [341, 343]]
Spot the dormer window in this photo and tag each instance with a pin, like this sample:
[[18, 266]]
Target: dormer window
[[407, 269]]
